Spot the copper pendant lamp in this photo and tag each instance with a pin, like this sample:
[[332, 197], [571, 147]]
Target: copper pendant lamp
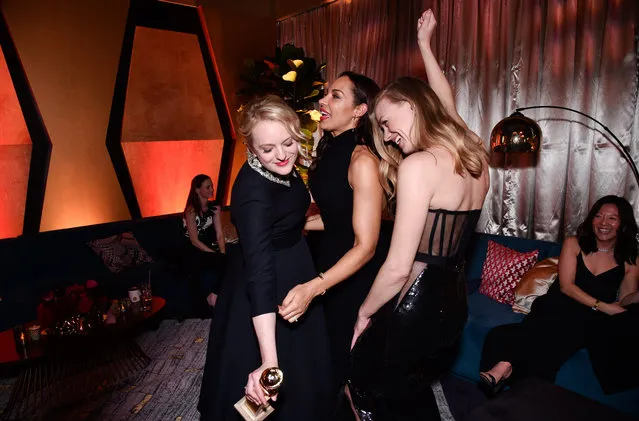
[[518, 133]]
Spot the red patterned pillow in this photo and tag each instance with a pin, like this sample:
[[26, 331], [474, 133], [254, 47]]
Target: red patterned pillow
[[502, 271], [120, 252]]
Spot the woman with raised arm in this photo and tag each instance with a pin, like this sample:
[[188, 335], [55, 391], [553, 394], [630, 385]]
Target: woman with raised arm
[[345, 184], [436, 170], [268, 207]]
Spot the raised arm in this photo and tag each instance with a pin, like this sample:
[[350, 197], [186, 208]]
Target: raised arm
[[417, 177], [368, 201], [567, 272], [436, 78]]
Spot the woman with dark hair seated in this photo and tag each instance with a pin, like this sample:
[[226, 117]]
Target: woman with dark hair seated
[[203, 228], [598, 279]]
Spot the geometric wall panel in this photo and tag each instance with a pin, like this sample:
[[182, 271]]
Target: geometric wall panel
[[169, 119], [15, 156], [162, 171], [25, 147], [168, 94], [14, 179]]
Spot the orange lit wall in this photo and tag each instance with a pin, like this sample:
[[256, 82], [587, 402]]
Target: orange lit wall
[[170, 130], [15, 155], [70, 50]]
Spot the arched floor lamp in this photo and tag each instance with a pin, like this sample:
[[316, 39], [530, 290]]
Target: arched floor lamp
[[519, 133]]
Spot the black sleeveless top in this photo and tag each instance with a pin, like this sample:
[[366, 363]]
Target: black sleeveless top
[[332, 193], [446, 236], [603, 287], [205, 227]]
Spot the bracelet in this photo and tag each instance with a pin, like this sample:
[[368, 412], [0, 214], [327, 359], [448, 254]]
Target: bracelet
[[321, 276], [596, 306]]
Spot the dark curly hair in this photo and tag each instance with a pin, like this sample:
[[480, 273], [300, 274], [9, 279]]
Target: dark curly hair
[[626, 244], [364, 91]]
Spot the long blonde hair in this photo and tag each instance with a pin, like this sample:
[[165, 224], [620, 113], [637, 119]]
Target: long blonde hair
[[432, 126]]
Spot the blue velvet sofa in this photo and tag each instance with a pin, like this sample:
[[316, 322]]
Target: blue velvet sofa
[[484, 313]]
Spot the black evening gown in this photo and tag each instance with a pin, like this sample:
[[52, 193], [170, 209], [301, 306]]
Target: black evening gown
[[328, 183], [273, 258], [412, 342], [555, 329]]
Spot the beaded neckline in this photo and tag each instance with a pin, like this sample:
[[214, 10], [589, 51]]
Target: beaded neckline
[[255, 164]]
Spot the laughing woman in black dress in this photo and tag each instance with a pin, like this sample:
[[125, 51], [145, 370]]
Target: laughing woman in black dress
[[438, 172], [344, 181], [268, 207], [598, 282]]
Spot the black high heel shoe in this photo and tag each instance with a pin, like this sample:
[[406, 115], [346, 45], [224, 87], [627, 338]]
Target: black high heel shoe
[[490, 386]]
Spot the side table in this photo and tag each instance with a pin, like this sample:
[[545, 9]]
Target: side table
[[59, 371]]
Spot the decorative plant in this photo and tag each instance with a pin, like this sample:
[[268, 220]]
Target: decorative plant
[[295, 78]]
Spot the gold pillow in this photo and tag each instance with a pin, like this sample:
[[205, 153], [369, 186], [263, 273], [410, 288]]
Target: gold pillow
[[534, 283]]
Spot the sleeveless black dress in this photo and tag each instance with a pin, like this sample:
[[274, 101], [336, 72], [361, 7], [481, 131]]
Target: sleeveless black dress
[[328, 183], [205, 270], [272, 259], [412, 342], [556, 327]]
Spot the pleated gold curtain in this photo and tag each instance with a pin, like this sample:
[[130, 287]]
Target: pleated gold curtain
[[499, 55]]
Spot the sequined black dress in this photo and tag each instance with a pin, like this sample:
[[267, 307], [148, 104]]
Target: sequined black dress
[[411, 343]]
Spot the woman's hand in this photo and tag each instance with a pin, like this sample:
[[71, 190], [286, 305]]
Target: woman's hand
[[253, 390], [211, 299], [361, 325], [425, 27], [611, 308], [297, 301]]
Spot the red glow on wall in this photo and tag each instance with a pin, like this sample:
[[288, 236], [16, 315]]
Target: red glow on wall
[[15, 157], [14, 177], [162, 171]]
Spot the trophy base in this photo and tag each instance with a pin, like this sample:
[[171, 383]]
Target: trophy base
[[251, 412]]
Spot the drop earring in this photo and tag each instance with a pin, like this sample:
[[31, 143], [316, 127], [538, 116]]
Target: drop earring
[[253, 160]]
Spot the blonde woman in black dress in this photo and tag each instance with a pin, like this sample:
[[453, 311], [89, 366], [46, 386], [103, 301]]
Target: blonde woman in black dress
[[268, 207], [437, 171]]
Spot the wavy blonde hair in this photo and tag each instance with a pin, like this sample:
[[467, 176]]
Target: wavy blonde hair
[[433, 126], [269, 108]]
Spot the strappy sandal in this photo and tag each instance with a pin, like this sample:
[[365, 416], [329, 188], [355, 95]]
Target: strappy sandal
[[489, 385]]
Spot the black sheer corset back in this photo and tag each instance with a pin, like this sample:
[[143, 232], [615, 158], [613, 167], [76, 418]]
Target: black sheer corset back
[[446, 236]]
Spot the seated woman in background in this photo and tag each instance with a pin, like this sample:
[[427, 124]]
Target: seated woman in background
[[598, 278], [203, 228]]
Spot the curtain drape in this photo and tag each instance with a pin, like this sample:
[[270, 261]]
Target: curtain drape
[[499, 55]]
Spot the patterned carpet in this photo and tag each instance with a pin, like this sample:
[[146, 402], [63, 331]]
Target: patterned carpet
[[168, 388]]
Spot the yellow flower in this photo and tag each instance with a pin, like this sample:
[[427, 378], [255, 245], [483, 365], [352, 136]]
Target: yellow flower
[[241, 108], [315, 115], [290, 76], [298, 63]]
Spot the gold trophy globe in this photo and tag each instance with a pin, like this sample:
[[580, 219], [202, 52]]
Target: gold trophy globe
[[270, 380]]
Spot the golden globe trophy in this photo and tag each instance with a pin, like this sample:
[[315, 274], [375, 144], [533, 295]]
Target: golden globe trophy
[[270, 380]]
